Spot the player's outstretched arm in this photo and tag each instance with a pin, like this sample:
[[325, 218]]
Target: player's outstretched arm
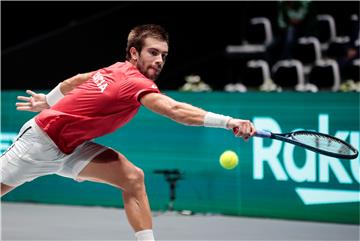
[[37, 102], [190, 115], [180, 112]]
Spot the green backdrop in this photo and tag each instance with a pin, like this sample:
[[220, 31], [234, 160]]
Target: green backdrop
[[272, 179]]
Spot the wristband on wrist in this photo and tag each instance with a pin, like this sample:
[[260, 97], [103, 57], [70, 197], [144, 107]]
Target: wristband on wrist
[[216, 120], [54, 95]]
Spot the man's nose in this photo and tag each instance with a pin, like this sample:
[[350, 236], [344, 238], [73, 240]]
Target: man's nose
[[159, 60]]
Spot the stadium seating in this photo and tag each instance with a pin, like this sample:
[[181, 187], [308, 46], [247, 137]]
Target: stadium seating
[[259, 35], [256, 73], [308, 51], [326, 29], [325, 75], [337, 48], [315, 63], [289, 74]]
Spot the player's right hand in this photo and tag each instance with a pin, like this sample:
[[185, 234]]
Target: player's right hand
[[35, 103], [242, 128]]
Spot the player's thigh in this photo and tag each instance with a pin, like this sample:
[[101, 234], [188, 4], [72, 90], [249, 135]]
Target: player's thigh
[[5, 189], [111, 167], [30, 156]]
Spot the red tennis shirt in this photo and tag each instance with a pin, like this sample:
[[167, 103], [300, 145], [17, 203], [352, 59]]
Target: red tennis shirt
[[105, 102]]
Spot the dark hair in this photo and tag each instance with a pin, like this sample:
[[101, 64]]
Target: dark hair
[[138, 34]]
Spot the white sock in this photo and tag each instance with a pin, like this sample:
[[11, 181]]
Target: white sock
[[145, 235]]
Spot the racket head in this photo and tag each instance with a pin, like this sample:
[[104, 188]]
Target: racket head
[[320, 143]]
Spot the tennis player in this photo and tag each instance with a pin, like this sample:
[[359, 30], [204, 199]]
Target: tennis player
[[89, 105]]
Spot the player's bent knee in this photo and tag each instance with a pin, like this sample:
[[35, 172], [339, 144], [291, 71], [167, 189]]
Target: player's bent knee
[[135, 179]]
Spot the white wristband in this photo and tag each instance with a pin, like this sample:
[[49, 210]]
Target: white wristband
[[216, 120], [54, 95]]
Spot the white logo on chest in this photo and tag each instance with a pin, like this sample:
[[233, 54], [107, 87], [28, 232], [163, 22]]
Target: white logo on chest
[[99, 81]]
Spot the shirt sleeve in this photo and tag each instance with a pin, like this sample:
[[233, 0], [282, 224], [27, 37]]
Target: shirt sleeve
[[143, 87]]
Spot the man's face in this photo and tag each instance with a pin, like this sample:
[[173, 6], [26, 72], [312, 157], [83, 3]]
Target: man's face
[[152, 58]]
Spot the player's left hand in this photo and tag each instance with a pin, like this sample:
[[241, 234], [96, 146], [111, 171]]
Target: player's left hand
[[35, 103], [242, 128]]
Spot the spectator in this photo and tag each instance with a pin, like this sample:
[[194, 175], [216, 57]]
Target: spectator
[[295, 19]]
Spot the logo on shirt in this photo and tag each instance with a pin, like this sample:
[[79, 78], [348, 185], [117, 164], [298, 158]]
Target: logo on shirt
[[98, 79]]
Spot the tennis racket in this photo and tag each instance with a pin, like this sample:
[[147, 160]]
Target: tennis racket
[[318, 142]]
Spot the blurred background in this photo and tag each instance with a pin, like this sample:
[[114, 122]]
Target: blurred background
[[220, 42], [288, 65]]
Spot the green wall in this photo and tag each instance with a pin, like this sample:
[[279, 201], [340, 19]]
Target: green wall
[[272, 179]]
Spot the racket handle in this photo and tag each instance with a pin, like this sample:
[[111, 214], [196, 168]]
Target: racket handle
[[263, 133], [259, 133], [235, 130]]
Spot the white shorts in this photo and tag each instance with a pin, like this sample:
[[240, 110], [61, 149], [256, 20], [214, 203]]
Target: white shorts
[[34, 154]]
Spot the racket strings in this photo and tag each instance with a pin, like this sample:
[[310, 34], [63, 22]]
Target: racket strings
[[323, 142]]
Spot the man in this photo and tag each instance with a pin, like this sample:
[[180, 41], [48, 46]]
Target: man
[[86, 106]]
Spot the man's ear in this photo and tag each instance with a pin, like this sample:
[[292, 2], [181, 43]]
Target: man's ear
[[134, 53]]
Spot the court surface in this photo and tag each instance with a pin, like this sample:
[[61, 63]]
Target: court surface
[[22, 221]]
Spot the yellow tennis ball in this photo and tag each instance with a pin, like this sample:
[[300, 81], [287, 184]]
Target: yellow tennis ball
[[229, 160]]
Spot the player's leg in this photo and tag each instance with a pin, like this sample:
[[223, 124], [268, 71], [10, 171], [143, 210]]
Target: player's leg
[[113, 168], [11, 168], [30, 156], [5, 189]]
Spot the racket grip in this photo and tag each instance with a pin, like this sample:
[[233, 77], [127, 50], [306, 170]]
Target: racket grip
[[259, 133], [235, 130], [263, 133]]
